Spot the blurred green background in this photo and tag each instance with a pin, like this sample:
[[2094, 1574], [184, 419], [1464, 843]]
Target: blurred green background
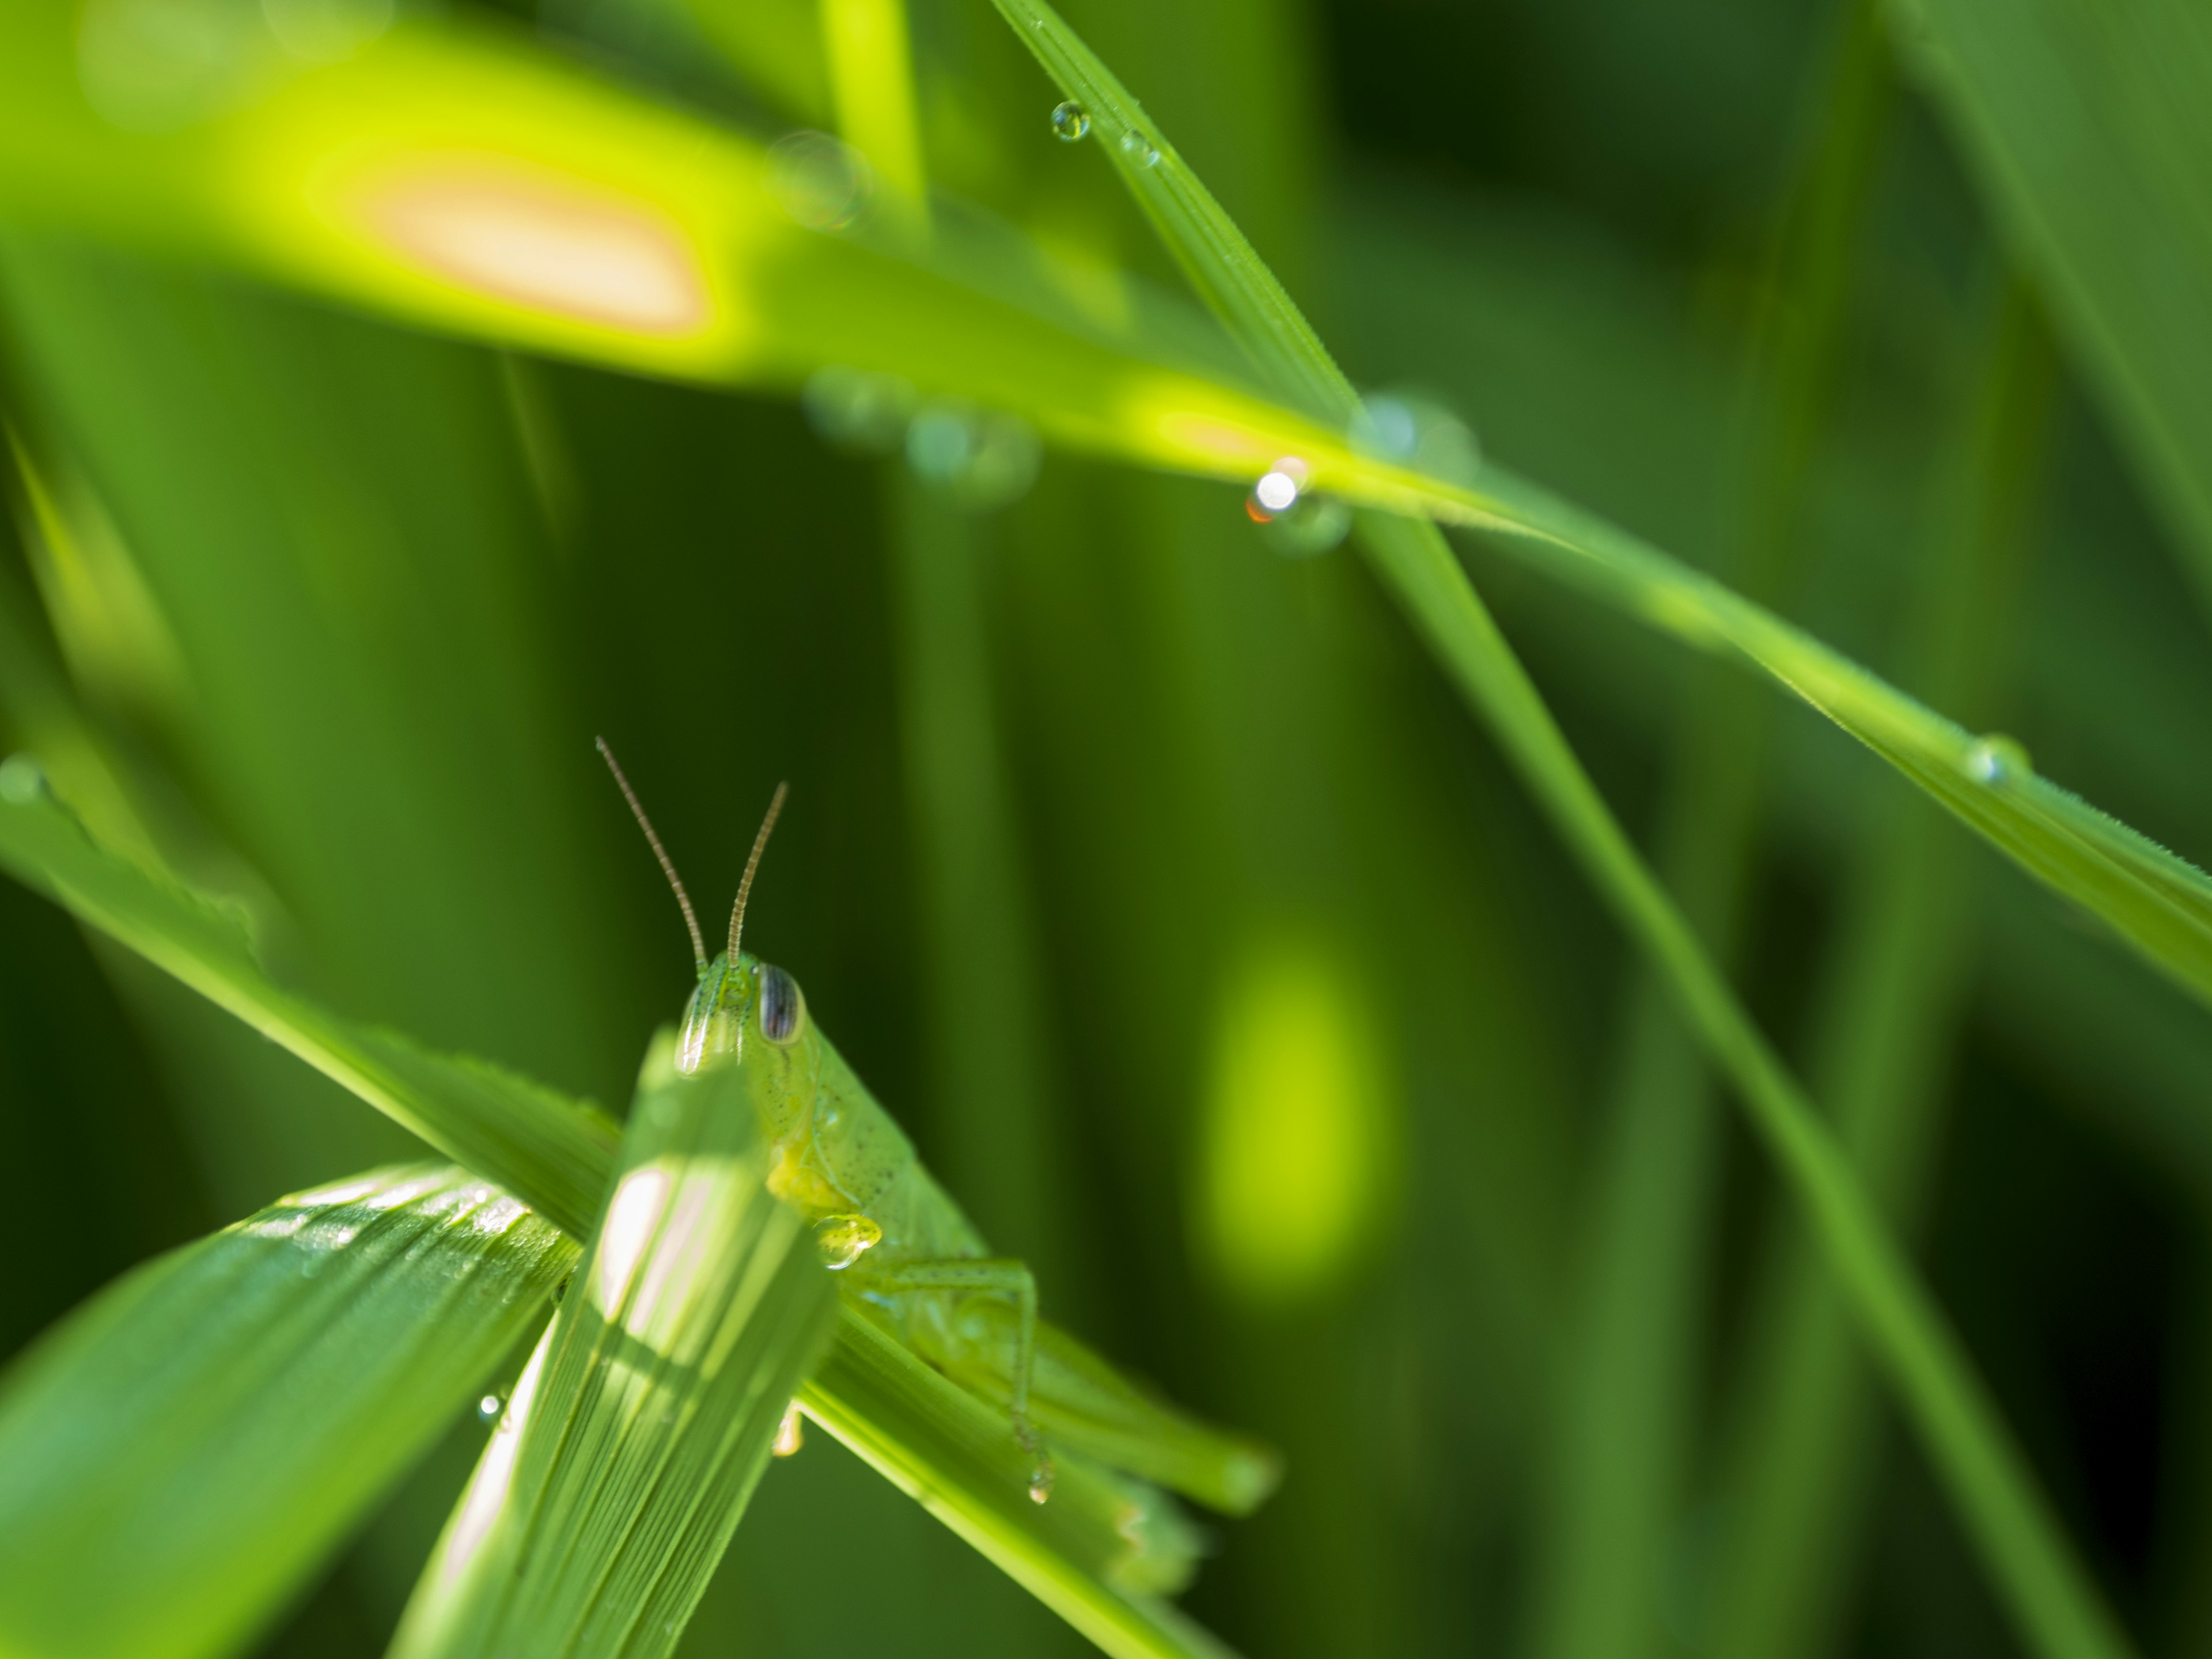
[[1155, 881]]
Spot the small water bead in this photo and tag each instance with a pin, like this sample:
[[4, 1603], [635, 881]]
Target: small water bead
[[821, 182], [22, 780], [1071, 122], [1139, 149], [844, 1239], [1420, 433], [488, 1408], [1298, 523], [1040, 1479], [981, 459], [1996, 761], [858, 411]]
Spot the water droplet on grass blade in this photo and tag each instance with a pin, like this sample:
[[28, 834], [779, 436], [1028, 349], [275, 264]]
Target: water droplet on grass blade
[[981, 459], [1997, 761], [488, 1408], [791, 1433], [820, 182], [1298, 523], [1417, 432], [1139, 149], [844, 1239], [22, 779], [858, 411], [1071, 122]]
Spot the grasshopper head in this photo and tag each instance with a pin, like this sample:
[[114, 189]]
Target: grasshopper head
[[731, 1000], [729, 986]]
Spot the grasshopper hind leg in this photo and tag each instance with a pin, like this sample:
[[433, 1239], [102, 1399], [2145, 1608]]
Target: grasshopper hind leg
[[989, 1276]]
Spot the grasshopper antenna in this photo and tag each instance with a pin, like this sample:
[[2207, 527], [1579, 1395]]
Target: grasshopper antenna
[[752, 863], [667, 867]]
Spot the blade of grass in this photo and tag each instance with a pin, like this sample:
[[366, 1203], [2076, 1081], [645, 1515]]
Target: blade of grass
[[2049, 1595], [872, 81], [634, 1441], [303, 185], [2089, 125], [1796, 1471], [991, 1092], [555, 1152], [180, 1456], [559, 1155], [1628, 1428], [1097, 1555]]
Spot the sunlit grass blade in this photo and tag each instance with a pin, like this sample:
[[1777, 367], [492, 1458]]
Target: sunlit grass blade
[[180, 1455], [554, 1152], [2159, 903], [457, 179], [2088, 124], [641, 1427], [429, 177], [2051, 1597], [933, 1439]]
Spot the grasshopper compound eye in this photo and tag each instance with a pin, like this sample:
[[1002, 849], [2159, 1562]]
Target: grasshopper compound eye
[[782, 1008]]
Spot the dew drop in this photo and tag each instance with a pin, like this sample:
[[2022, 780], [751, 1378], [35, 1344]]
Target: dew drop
[[22, 780], [858, 411], [1420, 433], [1071, 122], [981, 459], [1139, 149], [844, 1239], [488, 1409], [1298, 523], [1041, 1479], [1997, 761], [820, 182]]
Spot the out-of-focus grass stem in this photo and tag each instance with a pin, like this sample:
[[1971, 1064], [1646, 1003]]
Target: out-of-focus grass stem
[[1796, 1475], [1626, 1428], [872, 87], [2051, 1596], [980, 975]]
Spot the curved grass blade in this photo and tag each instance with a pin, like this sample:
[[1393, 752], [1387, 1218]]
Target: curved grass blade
[[2051, 1596], [354, 180], [2089, 126], [554, 1151], [182, 1453], [636, 1435], [1099, 1557]]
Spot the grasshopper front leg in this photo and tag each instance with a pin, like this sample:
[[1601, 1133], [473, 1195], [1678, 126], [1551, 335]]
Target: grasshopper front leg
[[990, 1276]]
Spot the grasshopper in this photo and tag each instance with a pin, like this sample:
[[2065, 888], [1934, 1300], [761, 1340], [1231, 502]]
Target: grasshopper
[[905, 1254]]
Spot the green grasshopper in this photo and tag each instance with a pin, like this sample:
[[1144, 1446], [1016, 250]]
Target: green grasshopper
[[905, 1255]]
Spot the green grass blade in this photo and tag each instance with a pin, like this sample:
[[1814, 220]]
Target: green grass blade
[[1097, 1555], [641, 1425], [1628, 1424], [2091, 127], [180, 1455], [1796, 1467], [554, 1152], [745, 297], [932, 1438], [2051, 1596]]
